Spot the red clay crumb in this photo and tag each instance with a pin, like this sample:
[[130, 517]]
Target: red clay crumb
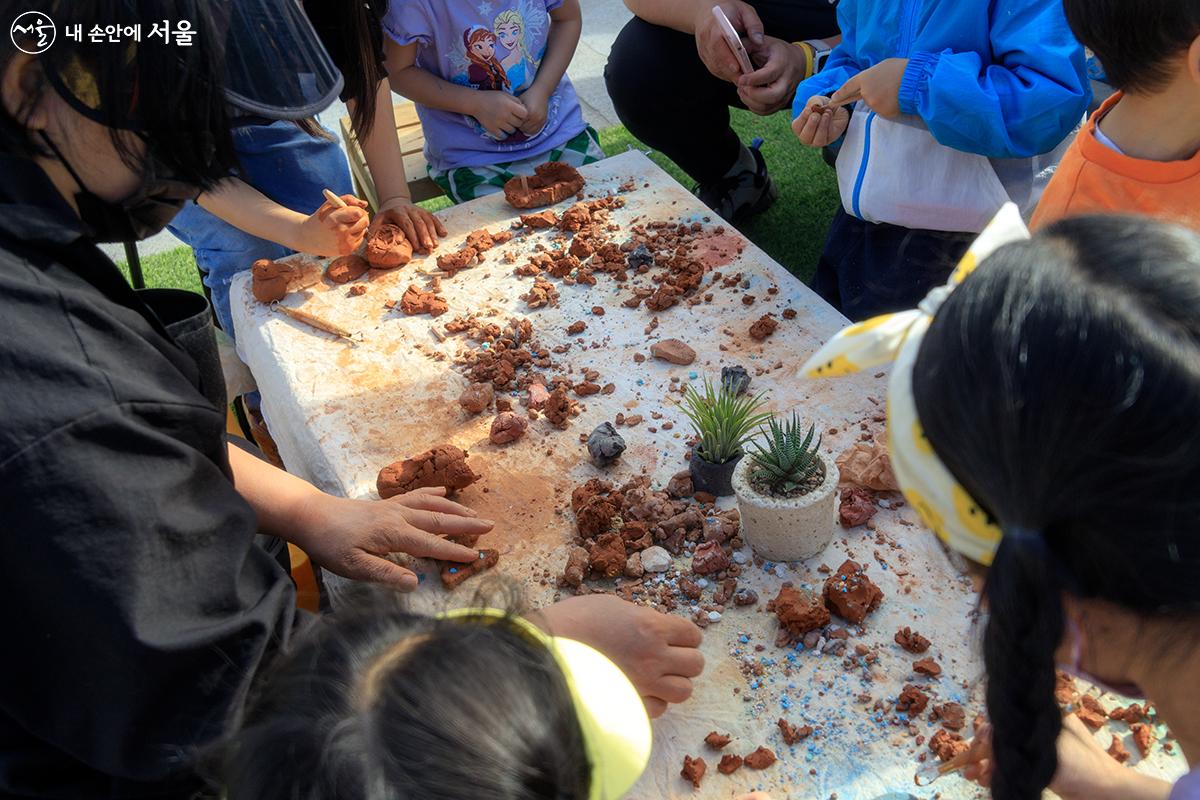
[[542, 219], [674, 351], [912, 701], [927, 666], [952, 715], [598, 311], [388, 248], [347, 268], [1131, 714], [1064, 689], [454, 573], [792, 734], [357, 291], [576, 569], [559, 408], [445, 465], [789, 313], [709, 558], [764, 327], [415, 301], [911, 641], [508, 427], [1143, 737], [542, 294], [460, 260], [1117, 750], [1091, 713], [693, 770], [729, 764], [760, 758], [856, 506], [850, 594], [606, 557], [717, 740], [798, 613], [577, 327], [946, 745], [575, 217], [476, 397]]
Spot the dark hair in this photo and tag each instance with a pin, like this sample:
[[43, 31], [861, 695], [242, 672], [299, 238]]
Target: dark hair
[[377, 702], [1134, 38], [353, 34], [172, 95], [1060, 384]]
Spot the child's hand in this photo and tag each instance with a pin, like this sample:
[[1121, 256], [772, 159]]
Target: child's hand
[[499, 113], [420, 227], [878, 87], [657, 652], [536, 104], [333, 230], [819, 125]]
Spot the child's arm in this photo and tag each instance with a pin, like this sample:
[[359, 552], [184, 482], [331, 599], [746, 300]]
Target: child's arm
[[1022, 103], [381, 149], [566, 24], [499, 113], [328, 231]]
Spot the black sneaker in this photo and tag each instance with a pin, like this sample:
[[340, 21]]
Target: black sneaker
[[743, 195]]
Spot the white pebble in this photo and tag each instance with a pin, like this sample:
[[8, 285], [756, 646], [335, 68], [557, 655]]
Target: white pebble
[[740, 558], [714, 616], [656, 559], [702, 583], [780, 571]]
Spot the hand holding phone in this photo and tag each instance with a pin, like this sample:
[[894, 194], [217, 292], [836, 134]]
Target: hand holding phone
[[734, 41]]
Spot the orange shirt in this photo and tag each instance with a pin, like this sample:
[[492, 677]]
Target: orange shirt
[[1094, 179]]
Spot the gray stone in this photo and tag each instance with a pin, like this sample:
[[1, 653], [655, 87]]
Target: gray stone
[[656, 559]]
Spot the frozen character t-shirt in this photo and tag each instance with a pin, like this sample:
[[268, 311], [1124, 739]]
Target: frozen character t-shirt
[[489, 45]]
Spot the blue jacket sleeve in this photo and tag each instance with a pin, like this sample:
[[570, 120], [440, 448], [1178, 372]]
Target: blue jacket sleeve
[[841, 66], [1023, 104]]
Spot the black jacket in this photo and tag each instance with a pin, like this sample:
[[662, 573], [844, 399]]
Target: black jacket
[[137, 606]]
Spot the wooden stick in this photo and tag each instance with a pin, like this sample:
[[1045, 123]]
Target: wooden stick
[[316, 322], [333, 198], [524, 184]]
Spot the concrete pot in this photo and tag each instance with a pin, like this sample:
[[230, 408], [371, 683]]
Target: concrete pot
[[713, 478], [790, 529]]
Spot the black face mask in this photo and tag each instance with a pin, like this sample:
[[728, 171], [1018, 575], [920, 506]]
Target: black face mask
[[141, 215]]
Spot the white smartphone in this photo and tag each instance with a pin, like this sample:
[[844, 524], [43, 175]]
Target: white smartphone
[[733, 40]]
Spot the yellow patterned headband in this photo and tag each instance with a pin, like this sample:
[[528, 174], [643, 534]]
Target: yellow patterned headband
[[944, 506], [612, 717]]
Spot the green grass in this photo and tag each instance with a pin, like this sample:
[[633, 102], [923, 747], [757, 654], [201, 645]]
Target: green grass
[[792, 232]]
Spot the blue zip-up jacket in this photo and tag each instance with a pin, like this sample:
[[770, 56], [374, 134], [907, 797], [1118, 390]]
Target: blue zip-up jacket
[[1000, 78]]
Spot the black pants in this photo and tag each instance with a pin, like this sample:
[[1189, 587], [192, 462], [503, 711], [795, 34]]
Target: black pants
[[869, 269], [668, 99]]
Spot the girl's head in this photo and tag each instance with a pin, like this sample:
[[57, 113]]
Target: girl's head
[[1060, 385], [381, 703], [481, 45]]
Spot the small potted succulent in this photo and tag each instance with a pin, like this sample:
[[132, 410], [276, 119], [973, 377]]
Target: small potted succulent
[[724, 422], [787, 493]]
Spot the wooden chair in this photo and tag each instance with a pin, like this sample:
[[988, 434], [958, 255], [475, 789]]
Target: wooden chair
[[412, 147]]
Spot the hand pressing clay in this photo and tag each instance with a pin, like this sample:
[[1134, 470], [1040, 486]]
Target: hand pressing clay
[[270, 280], [551, 183], [760, 758], [735, 379], [454, 573], [388, 248], [674, 351], [763, 327], [605, 445], [850, 594], [476, 397], [347, 268], [693, 770], [508, 427], [445, 465], [415, 301], [798, 612]]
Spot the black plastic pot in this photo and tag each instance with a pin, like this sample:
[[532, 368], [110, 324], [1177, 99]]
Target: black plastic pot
[[716, 479]]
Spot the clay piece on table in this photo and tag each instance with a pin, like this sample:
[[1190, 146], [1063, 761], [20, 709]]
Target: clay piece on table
[[1131, 713], [605, 445], [576, 328], [347, 268], [911, 701], [693, 770], [388, 248], [633, 566], [850, 594], [867, 465], [538, 395], [1091, 713], [640, 256], [911, 641], [745, 597], [577, 567], [855, 507], [508, 427], [270, 280], [454, 573], [1117, 750], [735, 379], [445, 465], [415, 301], [540, 220], [476, 397], [656, 559], [606, 558], [791, 733], [1065, 691], [760, 758], [927, 666], [798, 612], [1143, 737], [763, 327], [542, 293], [551, 183], [674, 351], [575, 217], [729, 764], [481, 241], [594, 517], [458, 260], [717, 741], [680, 485], [952, 715], [709, 558], [946, 745], [559, 407]]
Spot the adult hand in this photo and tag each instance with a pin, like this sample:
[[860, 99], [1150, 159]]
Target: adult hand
[[819, 124], [499, 113], [420, 226], [878, 87], [353, 537], [773, 85], [710, 43], [333, 230], [536, 103], [657, 652]]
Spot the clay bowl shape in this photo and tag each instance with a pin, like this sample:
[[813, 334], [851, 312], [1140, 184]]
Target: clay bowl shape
[[787, 529], [716, 479]]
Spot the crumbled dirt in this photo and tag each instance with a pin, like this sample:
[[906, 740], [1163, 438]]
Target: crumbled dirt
[[1091, 713], [270, 279], [1131, 713], [745, 597], [459, 260], [508, 427], [542, 293], [911, 701], [760, 758], [577, 567], [577, 327], [866, 464], [606, 558], [454, 573], [575, 217], [581, 248], [674, 351], [680, 485], [717, 741], [445, 465], [1143, 737], [856, 506], [709, 558], [505, 358], [850, 594], [417, 301], [476, 397], [347, 268], [357, 291], [540, 220], [946, 745], [763, 327], [792, 734], [798, 612], [911, 641], [952, 715], [1065, 691], [482, 241], [729, 764], [1117, 750], [551, 183], [927, 666], [388, 248], [693, 770]]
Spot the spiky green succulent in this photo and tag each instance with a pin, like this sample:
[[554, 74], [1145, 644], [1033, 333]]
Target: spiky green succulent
[[788, 459], [723, 421]]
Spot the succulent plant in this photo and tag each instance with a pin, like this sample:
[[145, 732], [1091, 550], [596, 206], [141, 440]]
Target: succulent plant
[[723, 421], [789, 459]]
